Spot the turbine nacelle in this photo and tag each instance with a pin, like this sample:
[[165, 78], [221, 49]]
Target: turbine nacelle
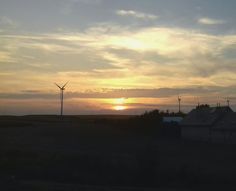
[[61, 87], [179, 98]]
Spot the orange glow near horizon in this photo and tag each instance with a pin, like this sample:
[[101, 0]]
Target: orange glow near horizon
[[119, 104], [119, 107]]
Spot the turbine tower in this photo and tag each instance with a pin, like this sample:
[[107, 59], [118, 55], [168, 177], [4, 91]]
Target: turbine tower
[[179, 100], [228, 102], [62, 88], [198, 102]]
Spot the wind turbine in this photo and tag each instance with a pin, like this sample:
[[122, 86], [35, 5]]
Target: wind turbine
[[62, 88], [179, 100], [228, 102], [198, 102]]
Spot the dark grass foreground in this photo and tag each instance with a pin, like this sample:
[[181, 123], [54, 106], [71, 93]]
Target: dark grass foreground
[[108, 153], [87, 150]]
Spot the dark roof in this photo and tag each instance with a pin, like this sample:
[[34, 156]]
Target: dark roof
[[205, 116]]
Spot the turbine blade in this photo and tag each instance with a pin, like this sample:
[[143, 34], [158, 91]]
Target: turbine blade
[[64, 85], [58, 86]]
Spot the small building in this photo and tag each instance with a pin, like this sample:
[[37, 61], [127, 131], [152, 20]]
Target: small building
[[213, 124], [176, 120]]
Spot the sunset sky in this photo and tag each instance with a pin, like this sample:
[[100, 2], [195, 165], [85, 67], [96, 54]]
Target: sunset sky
[[119, 56]]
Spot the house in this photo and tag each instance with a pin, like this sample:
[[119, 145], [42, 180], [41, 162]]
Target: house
[[213, 124]]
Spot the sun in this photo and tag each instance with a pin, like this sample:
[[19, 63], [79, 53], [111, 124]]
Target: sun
[[119, 107], [119, 104]]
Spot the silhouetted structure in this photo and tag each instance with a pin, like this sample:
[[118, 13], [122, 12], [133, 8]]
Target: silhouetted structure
[[215, 124], [179, 100], [61, 95], [228, 102]]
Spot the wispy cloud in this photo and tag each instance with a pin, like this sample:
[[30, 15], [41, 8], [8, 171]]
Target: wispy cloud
[[210, 21], [118, 93], [120, 57], [136, 14], [7, 23]]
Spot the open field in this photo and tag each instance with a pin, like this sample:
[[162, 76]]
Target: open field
[[106, 153]]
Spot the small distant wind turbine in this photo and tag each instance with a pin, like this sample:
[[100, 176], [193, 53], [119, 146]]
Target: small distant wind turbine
[[179, 100], [198, 102], [228, 102], [62, 88]]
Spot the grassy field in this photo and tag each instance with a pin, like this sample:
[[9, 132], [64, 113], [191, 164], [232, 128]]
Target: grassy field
[[107, 153]]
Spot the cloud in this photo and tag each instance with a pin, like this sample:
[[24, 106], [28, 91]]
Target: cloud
[[5, 21], [6, 57], [96, 101], [135, 14], [113, 56], [7, 24], [118, 93], [209, 21]]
